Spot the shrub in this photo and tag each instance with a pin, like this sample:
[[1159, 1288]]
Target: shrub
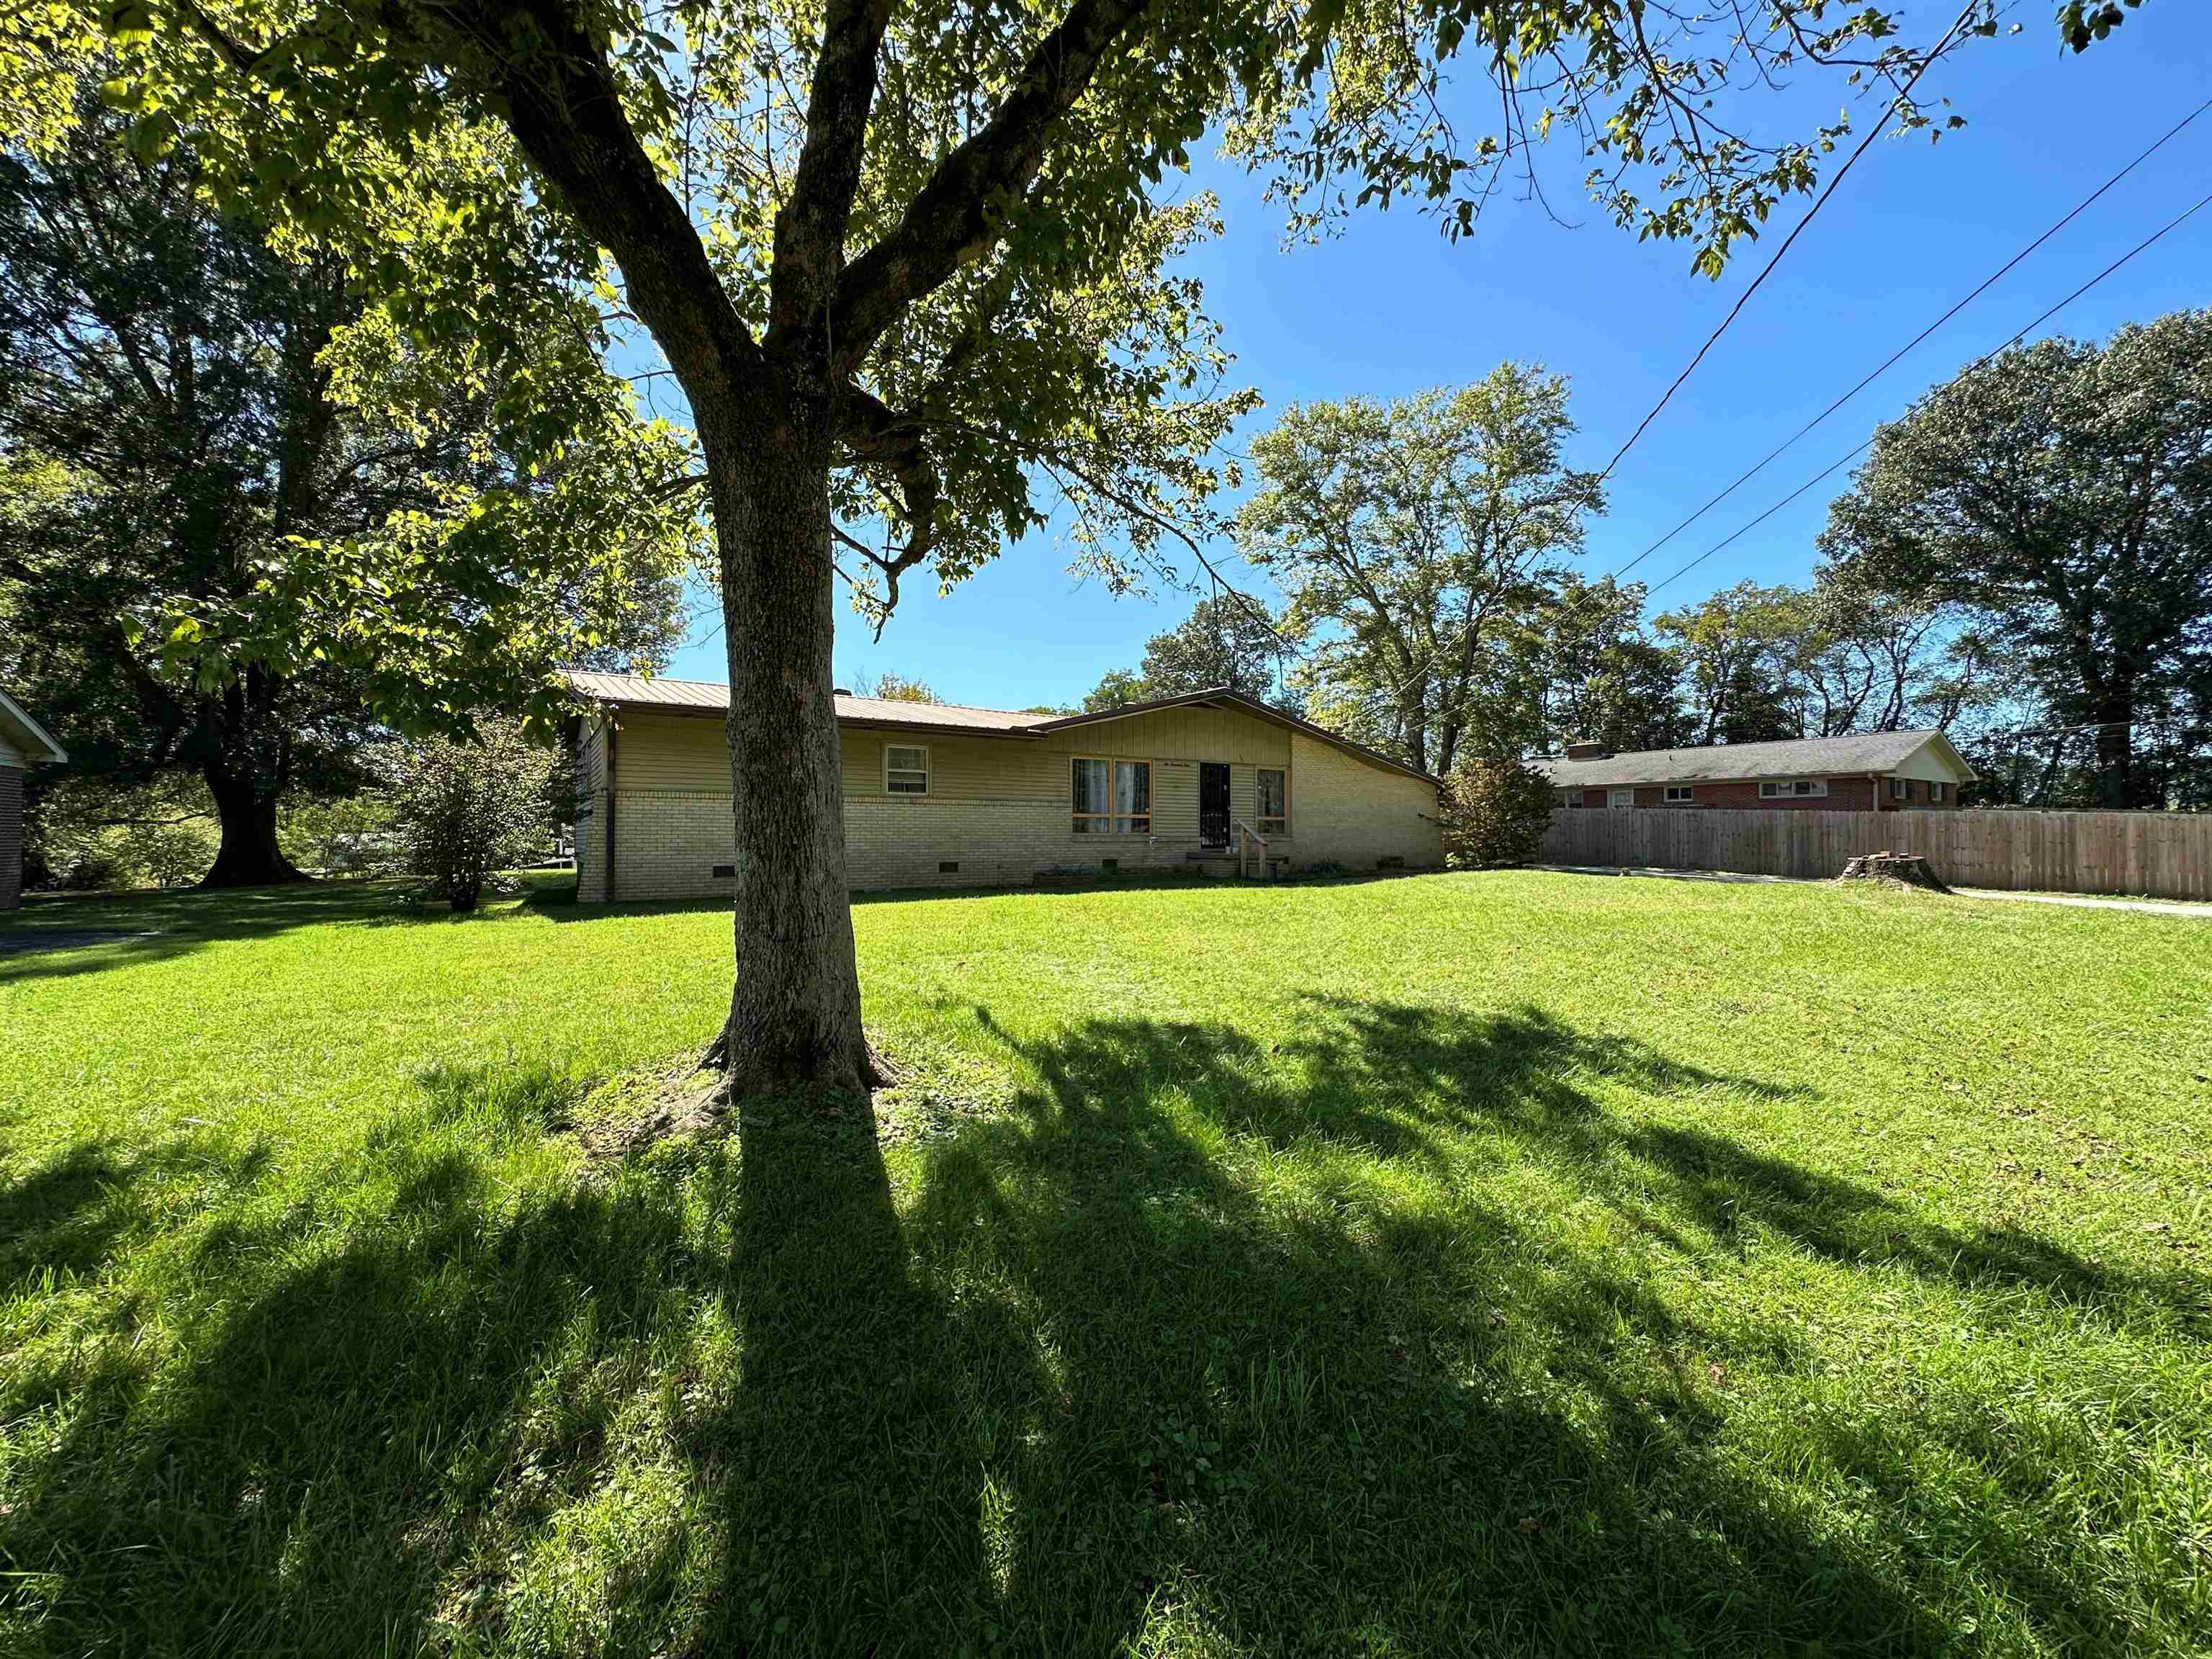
[[85, 834], [467, 810], [344, 834], [1495, 812]]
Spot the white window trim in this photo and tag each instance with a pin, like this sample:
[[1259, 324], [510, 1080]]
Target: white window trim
[[1788, 788], [1679, 794], [1283, 823], [1111, 761], [1900, 788], [1936, 790], [1613, 797], [928, 773]]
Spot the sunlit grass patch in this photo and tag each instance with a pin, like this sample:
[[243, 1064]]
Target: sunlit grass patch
[[1497, 1263]]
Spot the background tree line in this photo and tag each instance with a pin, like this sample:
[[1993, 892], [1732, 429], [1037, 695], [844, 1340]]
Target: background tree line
[[2023, 561]]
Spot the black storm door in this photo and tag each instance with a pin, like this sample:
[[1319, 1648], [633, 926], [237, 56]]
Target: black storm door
[[1212, 803]]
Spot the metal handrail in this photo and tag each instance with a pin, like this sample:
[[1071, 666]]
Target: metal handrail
[[1251, 834]]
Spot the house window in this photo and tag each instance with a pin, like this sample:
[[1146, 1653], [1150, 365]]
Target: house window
[[1571, 797], [1620, 797], [1937, 791], [1678, 794], [1274, 801], [1792, 789], [1900, 788], [1113, 796], [906, 770]]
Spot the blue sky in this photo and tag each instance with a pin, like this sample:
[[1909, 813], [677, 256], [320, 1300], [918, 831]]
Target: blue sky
[[1392, 307]]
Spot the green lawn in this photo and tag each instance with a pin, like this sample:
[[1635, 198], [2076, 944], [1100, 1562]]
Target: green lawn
[[1457, 1264]]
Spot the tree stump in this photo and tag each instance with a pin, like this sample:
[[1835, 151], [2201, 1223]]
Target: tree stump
[[1910, 868]]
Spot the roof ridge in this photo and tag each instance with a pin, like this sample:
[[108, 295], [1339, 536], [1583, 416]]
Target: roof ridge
[[1778, 742], [971, 708]]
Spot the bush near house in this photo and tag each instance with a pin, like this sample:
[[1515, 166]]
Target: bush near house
[[1495, 811], [466, 810], [1504, 1263]]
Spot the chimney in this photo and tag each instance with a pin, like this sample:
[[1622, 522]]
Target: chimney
[[1580, 749]]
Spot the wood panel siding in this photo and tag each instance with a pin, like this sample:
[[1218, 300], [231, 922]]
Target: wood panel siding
[[2160, 854], [1194, 734]]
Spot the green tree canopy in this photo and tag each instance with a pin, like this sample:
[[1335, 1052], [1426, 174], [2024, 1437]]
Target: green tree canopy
[[1602, 678], [911, 264], [1230, 641], [2062, 490], [1416, 539], [243, 522], [892, 686]]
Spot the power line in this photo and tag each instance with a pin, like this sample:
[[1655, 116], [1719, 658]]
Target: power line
[[2160, 233], [1891, 362], [1903, 94]]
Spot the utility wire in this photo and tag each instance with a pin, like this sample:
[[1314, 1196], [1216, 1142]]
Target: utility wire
[[2160, 233], [1891, 362], [1866, 143]]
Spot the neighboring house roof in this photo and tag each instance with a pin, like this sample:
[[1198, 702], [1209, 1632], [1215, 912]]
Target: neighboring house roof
[[1864, 751], [638, 691], [27, 734]]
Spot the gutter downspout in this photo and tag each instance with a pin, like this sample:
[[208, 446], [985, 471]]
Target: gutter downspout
[[611, 729]]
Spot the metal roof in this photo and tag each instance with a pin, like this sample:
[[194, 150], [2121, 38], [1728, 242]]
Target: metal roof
[[640, 691], [1860, 752], [704, 696]]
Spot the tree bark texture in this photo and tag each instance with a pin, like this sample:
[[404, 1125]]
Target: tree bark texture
[[795, 1006], [246, 774]]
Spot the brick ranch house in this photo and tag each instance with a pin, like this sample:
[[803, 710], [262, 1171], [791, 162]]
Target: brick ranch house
[[1869, 772], [942, 796], [23, 744]]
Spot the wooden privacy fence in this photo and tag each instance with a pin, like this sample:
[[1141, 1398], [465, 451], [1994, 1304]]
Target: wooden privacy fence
[[2165, 854]]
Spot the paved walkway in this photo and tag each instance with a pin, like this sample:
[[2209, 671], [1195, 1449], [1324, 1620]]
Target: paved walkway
[[2097, 902], [2182, 908]]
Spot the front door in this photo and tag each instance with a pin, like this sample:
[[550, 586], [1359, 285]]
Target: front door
[[1212, 803]]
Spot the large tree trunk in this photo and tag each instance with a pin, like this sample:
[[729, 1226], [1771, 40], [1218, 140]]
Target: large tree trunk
[[244, 769], [795, 1007], [2115, 750], [249, 856]]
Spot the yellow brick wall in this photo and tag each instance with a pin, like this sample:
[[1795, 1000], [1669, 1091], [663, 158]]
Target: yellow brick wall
[[1346, 812], [999, 808]]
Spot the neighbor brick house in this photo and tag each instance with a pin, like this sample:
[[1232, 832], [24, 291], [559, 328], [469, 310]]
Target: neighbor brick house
[[1867, 772], [23, 744], [941, 796]]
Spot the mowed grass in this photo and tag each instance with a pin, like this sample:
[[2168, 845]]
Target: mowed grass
[[1507, 1263]]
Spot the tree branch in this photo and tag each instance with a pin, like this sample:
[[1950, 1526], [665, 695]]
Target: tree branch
[[564, 107], [879, 437], [956, 216], [809, 228]]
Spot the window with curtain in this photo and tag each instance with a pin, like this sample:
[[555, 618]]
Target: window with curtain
[[1274, 801], [1113, 797], [906, 770]]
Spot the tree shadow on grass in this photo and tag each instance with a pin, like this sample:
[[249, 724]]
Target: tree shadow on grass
[[1334, 1391], [1201, 1345], [48, 937]]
